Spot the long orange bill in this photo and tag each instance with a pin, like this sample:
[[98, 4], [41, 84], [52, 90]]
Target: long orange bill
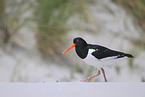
[[73, 45]]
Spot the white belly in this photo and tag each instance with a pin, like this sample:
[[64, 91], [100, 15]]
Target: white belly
[[91, 60]]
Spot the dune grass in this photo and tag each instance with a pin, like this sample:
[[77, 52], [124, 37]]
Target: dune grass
[[51, 17], [136, 7]]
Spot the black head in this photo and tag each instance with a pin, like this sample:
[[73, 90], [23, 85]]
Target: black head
[[79, 42], [80, 47]]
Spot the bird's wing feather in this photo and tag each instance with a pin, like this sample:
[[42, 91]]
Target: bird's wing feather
[[103, 52]]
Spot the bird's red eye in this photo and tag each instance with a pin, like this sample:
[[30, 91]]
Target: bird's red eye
[[77, 40]]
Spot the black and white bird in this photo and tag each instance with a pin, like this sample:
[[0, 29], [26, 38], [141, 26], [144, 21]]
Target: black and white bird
[[92, 54]]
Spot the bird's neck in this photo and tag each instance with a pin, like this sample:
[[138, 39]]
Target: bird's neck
[[82, 51]]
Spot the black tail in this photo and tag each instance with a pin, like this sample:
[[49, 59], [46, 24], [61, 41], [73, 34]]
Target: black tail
[[129, 55]]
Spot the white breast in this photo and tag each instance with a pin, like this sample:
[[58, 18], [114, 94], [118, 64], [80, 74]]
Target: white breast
[[91, 60]]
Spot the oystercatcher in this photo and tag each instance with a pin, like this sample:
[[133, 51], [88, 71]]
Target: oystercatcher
[[92, 54]]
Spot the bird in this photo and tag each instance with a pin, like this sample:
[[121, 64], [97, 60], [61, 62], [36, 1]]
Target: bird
[[93, 54]]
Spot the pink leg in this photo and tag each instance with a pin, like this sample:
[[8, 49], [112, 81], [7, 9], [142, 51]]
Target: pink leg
[[85, 80]]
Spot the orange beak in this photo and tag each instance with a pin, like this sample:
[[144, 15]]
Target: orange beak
[[73, 45]]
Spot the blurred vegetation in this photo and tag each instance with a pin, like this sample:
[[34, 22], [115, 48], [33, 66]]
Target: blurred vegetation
[[1, 9], [137, 7], [2, 25], [11, 17], [51, 17]]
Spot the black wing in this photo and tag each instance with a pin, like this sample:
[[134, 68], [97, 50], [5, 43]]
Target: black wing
[[103, 52]]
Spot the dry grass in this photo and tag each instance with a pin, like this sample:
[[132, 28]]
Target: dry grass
[[137, 8], [51, 17]]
